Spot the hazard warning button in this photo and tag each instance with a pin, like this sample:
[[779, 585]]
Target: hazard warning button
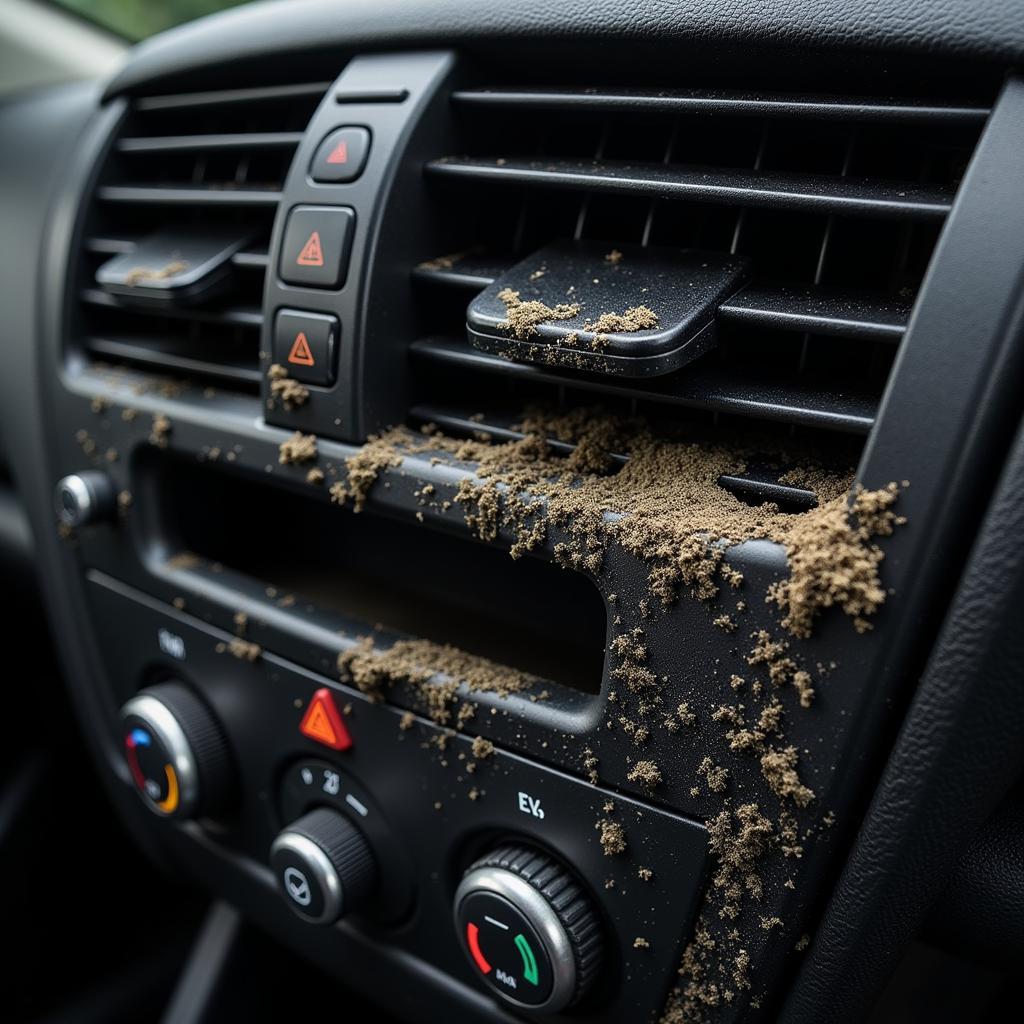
[[341, 157], [316, 246], [323, 723], [306, 344]]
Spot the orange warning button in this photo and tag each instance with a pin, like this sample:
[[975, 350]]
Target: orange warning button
[[312, 254], [301, 354], [323, 724]]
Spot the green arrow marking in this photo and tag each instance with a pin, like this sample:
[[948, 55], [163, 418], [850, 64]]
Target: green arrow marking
[[529, 960]]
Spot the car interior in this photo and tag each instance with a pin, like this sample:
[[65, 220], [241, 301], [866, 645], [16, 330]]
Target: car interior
[[512, 511]]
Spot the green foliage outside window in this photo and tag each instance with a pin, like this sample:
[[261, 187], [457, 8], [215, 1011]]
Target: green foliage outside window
[[136, 19]]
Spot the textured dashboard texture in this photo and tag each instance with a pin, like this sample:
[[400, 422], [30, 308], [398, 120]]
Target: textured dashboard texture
[[633, 30]]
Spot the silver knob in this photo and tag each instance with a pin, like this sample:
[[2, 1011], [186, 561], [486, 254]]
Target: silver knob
[[323, 865], [82, 499]]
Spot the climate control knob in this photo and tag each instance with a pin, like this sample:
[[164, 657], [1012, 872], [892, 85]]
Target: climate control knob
[[324, 866], [529, 929], [176, 751]]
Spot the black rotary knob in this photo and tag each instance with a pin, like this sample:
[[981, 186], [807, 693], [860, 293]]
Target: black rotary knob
[[177, 752], [529, 929], [323, 865]]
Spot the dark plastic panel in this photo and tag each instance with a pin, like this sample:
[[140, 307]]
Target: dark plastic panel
[[338, 410], [420, 786]]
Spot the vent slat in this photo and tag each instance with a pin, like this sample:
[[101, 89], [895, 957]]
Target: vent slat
[[109, 246], [818, 311], [160, 355], [212, 141], [224, 97], [461, 272], [258, 260], [810, 310], [186, 196], [236, 317], [820, 193], [118, 246], [734, 104], [701, 388]]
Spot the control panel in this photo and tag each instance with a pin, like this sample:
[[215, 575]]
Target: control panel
[[547, 893], [330, 324]]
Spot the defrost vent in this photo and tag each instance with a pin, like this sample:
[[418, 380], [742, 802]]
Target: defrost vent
[[832, 205], [176, 241]]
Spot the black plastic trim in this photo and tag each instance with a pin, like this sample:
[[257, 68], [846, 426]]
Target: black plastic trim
[[706, 184], [695, 387], [737, 104]]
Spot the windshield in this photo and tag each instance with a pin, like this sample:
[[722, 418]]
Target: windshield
[[137, 19]]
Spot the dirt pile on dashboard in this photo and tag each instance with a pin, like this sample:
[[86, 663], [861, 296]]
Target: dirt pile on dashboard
[[434, 671], [659, 500], [584, 483]]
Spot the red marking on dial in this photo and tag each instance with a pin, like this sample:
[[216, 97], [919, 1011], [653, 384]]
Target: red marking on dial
[[473, 938]]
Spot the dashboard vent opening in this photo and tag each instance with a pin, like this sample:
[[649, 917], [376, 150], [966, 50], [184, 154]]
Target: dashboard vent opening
[[836, 202], [192, 162]]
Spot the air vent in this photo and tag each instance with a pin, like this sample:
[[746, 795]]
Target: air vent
[[834, 203], [187, 174]]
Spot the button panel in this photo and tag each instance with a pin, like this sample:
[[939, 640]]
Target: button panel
[[434, 803], [341, 157], [316, 247], [306, 345]]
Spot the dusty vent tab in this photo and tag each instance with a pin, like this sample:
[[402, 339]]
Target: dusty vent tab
[[632, 311]]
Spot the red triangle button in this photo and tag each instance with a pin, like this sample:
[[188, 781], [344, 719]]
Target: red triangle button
[[323, 724]]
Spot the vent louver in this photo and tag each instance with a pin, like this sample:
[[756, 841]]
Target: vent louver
[[837, 203], [192, 164]]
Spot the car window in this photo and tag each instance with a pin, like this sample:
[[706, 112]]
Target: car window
[[137, 19]]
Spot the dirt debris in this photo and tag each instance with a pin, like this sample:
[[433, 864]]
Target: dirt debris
[[612, 837], [482, 748], [664, 505], [285, 389], [140, 275], [298, 448], [738, 839], [834, 562], [160, 430], [434, 671], [780, 772], [636, 318], [244, 650], [523, 318], [716, 777], [646, 774]]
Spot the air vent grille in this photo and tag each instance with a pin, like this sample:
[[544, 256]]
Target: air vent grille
[[192, 163], [837, 202]]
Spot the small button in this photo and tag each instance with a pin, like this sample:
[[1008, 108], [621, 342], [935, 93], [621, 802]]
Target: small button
[[306, 345], [341, 157], [317, 242], [323, 724]]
